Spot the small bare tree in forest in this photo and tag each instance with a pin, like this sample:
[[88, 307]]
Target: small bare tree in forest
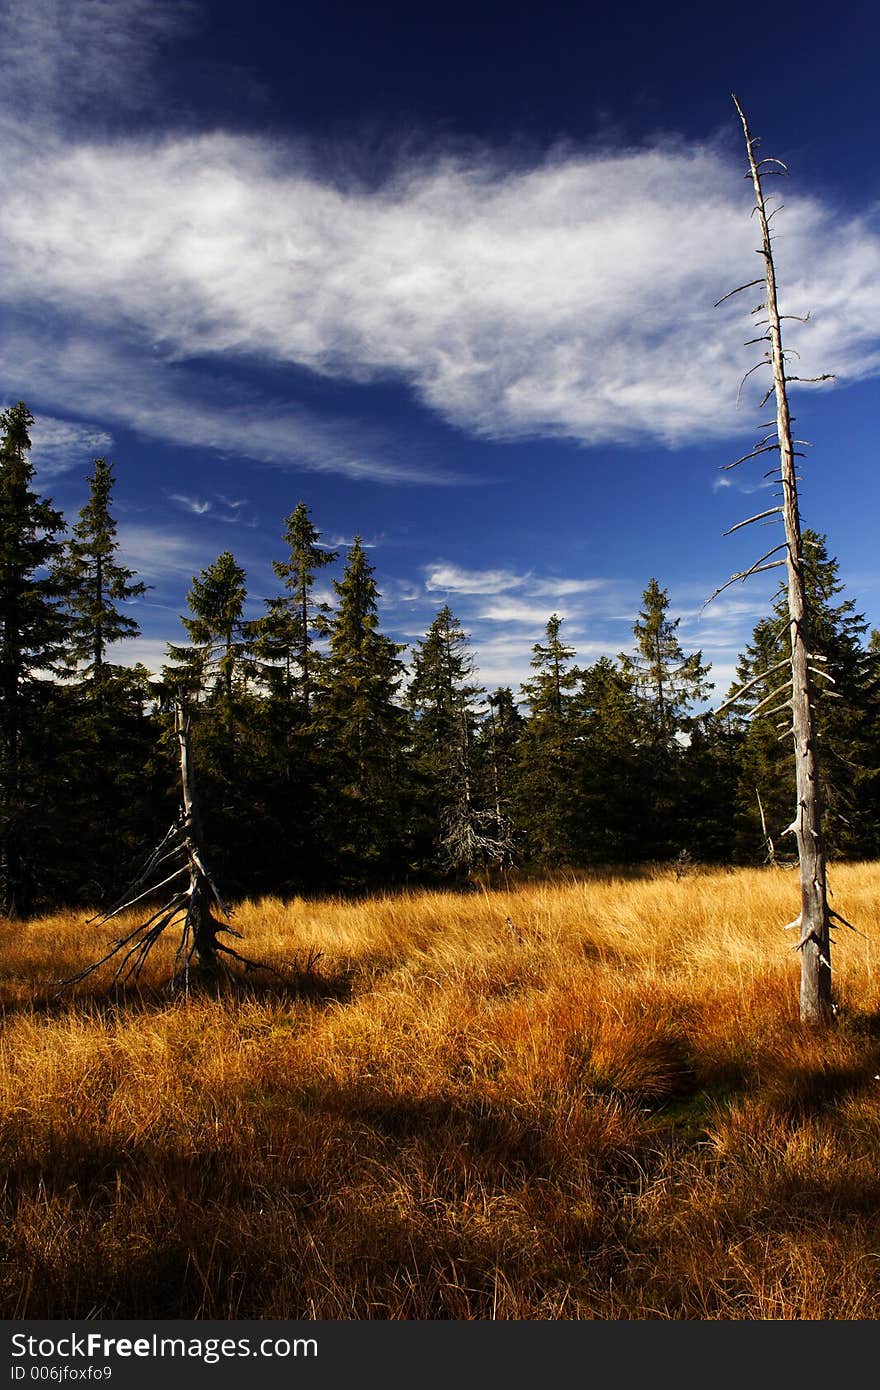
[[441, 697], [178, 865], [796, 693]]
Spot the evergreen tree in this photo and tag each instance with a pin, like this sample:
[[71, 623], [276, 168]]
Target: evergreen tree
[[614, 815], [220, 638], [31, 633], [499, 740], [443, 700], [106, 757], [441, 694], [94, 583], [293, 620], [296, 765], [548, 785], [669, 681], [226, 732], [848, 717], [709, 769], [365, 729], [549, 691]]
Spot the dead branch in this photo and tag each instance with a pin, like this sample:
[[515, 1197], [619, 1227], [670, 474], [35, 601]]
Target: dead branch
[[753, 453], [764, 362], [742, 575], [748, 685], [768, 840], [767, 698], [759, 516], [738, 290], [842, 920]]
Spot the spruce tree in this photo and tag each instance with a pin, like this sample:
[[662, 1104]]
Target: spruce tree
[[549, 691], [106, 757], [847, 718], [215, 672], [442, 694], [443, 698], [31, 634], [365, 729], [670, 681], [95, 583], [296, 758], [500, 733], [548, 800], [612, 767], [293, 620], [220, 637]]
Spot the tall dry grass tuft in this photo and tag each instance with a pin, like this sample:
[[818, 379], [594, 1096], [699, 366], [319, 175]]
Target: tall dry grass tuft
[[605, 1110]]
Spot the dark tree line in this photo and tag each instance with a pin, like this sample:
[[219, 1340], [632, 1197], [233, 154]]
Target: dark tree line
[[325, 763]]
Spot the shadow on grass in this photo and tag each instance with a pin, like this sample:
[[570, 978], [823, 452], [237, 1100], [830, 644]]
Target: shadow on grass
[[800, 1092], [343, 1198], [290, 984]]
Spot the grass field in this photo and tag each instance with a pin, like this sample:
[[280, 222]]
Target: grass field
[[610, 1111]]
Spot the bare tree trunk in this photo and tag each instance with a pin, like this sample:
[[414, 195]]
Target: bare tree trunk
[[202, 924], [815, 918], [178, 856]]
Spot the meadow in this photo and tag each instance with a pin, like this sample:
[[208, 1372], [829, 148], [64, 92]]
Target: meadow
[[581, 1098]]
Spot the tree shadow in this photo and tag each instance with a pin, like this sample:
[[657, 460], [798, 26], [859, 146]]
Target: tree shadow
[[295, 982]]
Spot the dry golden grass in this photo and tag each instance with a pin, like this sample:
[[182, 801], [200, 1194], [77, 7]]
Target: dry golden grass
[[610, 1113]]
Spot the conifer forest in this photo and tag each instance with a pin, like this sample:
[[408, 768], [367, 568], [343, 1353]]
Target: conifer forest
[[327, 763]]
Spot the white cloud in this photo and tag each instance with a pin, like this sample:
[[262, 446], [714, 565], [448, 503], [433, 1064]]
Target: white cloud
[[59, 55], [397, 591], [196, 505], [159, 554], [564, 588], [503, 660], [60, 445], [513, 610], [339, 542], [455, 580], [152, 652], [573, 298], [722, 676], [161, 400]]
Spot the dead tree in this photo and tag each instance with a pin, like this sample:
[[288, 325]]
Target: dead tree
[[796, 694], [472, 839], [178, 865]]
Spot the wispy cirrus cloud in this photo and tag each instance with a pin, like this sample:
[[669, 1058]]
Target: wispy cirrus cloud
[[59, 445], [339, 542], [565, 298], [217, 508], [513, 610], [158, 399], [448, 578], [565, 588], [197, 506], [159, 555], [58, 54], [443, 577]]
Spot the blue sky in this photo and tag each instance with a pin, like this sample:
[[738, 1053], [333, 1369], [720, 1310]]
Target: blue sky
[[446, 275]]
